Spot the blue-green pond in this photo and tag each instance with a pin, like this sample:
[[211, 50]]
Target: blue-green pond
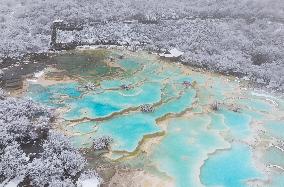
[[184, 138]]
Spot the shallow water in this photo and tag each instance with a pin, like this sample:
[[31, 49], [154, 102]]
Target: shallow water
[[184, 148], [229, 168], [199, 147]]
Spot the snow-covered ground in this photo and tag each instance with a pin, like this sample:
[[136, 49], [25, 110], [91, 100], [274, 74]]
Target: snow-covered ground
[[236, 36]]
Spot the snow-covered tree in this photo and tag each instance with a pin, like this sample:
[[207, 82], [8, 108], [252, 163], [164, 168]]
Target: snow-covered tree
[[31, 150], [13, 161], [102, 142]]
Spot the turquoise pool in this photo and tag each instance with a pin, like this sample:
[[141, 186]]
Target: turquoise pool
[[196, 146]]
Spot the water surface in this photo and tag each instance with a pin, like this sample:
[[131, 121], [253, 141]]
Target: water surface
[[199, 146]]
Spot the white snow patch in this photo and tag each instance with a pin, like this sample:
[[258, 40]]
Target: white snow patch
[[12, 183], [38, 74], [262, 95], [32, 80], [92, 182], [246, 78], [176, 53], [173, 53], [58, 20], [267, 97]]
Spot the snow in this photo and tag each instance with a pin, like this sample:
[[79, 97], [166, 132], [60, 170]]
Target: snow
[[176, 53], [13, 183], [225, 36], [26, 122], [173, 53], [31, 80], [92, 182], [39, 74], [57, 20]]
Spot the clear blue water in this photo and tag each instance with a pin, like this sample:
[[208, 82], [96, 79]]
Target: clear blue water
[[229, 168], [130, 64], [257, 104], [193, 131], [128, 130], [184, 148], [83, 128], [275, 128], [274, 156], [217, 122], [89, 107], [176, 105], [238, 123], [52, 95], [277, 180]]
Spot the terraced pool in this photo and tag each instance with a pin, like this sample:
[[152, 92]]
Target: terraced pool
[[184, 138]]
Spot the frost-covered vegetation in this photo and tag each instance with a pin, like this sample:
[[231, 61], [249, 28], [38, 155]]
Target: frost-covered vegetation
[[243, 37], [102, 142], [89, 86], [147, 108], [30, 150]]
